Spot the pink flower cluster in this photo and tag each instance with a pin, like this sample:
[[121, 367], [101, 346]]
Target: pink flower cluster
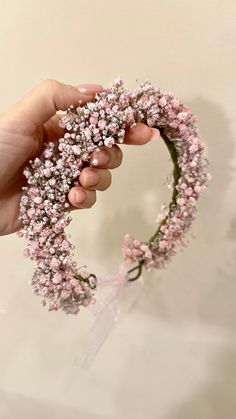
[[44, 208], [177, 126]]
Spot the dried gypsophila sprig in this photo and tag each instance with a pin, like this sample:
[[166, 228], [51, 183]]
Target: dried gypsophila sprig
[[44, 205]]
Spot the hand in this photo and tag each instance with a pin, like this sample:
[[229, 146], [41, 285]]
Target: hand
[[33, 120]]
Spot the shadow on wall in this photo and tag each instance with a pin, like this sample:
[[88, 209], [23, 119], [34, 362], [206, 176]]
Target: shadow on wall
[[200, 281], [212, 228], [204, 287], [17, 406]]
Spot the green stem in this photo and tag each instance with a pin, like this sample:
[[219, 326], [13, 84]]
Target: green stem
[[176, 176], [139, 269]]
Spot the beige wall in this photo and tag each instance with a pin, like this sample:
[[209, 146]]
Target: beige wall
[[174, 355]]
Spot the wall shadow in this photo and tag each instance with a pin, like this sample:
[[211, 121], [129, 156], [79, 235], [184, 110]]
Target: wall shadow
[[204, 292]]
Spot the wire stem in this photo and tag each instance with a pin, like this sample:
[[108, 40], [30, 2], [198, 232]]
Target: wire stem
[[176, 175]]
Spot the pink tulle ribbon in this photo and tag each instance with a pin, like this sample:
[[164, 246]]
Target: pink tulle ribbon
[[115, 296]]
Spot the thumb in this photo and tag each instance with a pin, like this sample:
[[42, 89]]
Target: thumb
[[41, 103]]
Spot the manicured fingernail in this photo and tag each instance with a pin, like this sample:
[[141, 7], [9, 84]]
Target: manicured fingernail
[[80, 196], [155, 134], [89, 89], [92, 178], [100, 158]]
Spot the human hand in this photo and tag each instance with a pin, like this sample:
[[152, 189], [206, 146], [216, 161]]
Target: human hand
[[25, 127]]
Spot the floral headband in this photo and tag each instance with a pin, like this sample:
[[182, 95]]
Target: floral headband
[[44, 206]]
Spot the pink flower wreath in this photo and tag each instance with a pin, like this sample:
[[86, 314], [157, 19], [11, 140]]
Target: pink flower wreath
[[44, 205]]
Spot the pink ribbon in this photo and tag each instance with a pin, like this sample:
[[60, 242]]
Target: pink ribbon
[[115, 296]]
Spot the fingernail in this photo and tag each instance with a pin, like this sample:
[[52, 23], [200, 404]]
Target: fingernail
[[155, 134], [80, 195], [89, 89], [92, 178], [100, 158]]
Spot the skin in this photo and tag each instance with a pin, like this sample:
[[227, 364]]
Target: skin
[[26, 125]]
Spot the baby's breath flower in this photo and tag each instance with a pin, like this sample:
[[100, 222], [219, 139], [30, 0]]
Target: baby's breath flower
[[57, 279]]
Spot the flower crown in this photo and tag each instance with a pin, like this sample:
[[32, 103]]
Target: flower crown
[[44, 206]]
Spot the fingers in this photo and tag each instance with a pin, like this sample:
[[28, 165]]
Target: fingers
[[140, 134], [39, 105], [111, 158], [108, 158], [52, 129], [155, 134], [99, 179], [81, 198], [91, 179]]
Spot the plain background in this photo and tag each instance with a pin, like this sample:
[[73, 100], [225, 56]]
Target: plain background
[[174, 354]]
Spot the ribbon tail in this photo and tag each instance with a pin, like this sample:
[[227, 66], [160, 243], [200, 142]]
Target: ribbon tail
[[120, 299]]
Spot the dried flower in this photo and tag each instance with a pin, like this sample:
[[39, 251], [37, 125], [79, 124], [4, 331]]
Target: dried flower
[[51, 175]]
